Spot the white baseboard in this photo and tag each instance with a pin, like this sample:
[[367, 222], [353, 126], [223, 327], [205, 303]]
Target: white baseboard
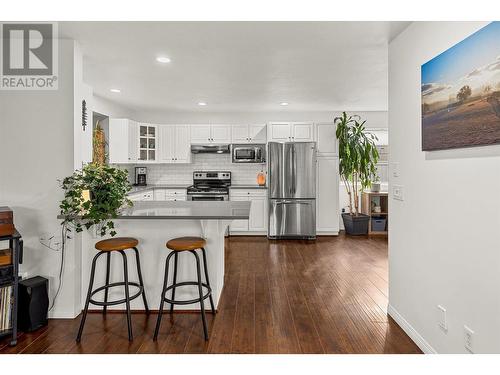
[[410, 331], [60, 314], [248, 233]]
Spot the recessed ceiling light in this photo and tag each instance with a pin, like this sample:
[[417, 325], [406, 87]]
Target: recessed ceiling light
[[163, 59], [115, 90], [284, 103], [202, 103]]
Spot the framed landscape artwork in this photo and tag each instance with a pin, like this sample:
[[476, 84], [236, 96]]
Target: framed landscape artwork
[[461, 93]]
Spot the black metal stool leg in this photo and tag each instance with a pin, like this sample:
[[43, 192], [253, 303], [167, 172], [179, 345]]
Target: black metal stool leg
[[89, 293], [206, 277], [141, 283], [127, 295], [200, 291], [173, 283], [162, 301], [108, 266]]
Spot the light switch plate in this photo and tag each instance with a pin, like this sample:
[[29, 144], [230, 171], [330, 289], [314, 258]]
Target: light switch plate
[[397, 192], [395, 169], [442, 318]]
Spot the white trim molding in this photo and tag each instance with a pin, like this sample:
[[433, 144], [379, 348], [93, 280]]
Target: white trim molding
[[410, 331]]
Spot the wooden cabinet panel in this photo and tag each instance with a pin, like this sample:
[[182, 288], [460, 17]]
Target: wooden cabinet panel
[[326, 139], [200, 134], [240, 134], [280, 132], [258, 214], [303, 132], [182, 144], [327, 199], [221, 133], [257, 133]]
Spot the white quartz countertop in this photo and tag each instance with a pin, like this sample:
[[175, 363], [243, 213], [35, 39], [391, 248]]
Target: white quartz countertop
[[249, 186], [194, 210]]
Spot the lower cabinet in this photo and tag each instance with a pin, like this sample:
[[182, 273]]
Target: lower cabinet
[[142, 196], [327, 196], [257, 223], [160, 194]]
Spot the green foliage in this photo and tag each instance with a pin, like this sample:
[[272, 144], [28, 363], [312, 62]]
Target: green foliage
[[108, 189], [358, 156]]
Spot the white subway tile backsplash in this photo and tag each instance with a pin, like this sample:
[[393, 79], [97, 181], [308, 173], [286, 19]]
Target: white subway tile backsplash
[[183, 173]]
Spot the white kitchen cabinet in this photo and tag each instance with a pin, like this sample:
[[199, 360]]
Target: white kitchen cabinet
[[210, 134], [257, 222], [327, 197], [142, 196], [258, 214], [221, 133], [174, 144], [290, 132], [148, 143], [175, 194], [200, 134], [249, 133], [122, 141], [326, 139], [239, 225]]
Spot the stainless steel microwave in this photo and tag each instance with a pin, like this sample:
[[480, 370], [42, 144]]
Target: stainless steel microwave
[[245, 153]]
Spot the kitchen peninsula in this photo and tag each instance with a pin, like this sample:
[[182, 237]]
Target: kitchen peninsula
[[153, 223]]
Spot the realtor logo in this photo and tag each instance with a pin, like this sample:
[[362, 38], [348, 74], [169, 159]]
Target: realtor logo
[[28, 56]]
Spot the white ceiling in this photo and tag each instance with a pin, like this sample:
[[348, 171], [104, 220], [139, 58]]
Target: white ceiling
[[238, 66]]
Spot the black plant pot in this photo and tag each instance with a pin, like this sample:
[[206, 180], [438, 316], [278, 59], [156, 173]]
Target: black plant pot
[[356, 225]]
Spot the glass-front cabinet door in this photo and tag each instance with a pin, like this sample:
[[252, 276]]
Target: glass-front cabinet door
[[147, 142]]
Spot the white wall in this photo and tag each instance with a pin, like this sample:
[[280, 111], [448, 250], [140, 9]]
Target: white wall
[[37, 143], [443, 238]]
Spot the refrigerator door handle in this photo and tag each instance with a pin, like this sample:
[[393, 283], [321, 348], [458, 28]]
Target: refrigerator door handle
[[294, 202]]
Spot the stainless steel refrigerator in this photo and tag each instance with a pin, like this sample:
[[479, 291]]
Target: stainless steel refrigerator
[[292, 190]]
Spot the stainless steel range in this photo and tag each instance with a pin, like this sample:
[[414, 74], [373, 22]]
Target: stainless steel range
[[209, 186]]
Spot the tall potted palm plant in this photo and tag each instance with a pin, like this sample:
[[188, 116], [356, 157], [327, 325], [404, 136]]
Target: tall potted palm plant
[[358, 157]]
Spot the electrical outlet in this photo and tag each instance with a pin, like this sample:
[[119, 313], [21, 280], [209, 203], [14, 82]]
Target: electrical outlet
[[24, 275], [442, 318], [468, 338], [397, 192]]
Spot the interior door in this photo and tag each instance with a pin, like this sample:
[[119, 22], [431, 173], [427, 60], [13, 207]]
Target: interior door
[[292, 218]]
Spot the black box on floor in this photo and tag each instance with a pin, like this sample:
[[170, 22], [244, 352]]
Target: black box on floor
[[33, 304]]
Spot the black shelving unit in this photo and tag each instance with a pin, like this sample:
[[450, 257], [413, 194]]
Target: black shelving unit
[[16, 246]]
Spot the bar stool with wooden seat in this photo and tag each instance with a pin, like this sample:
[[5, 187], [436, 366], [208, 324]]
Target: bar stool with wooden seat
[[119, 244], [178, 245]]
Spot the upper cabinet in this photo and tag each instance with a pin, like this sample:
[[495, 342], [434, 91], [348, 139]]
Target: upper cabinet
[[123, 141], [326, 139], [148, 144], [207, 134], [175, 143], [290, 132], [249, 134]]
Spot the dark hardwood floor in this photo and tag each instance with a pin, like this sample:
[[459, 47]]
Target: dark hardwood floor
[[328, 296]]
